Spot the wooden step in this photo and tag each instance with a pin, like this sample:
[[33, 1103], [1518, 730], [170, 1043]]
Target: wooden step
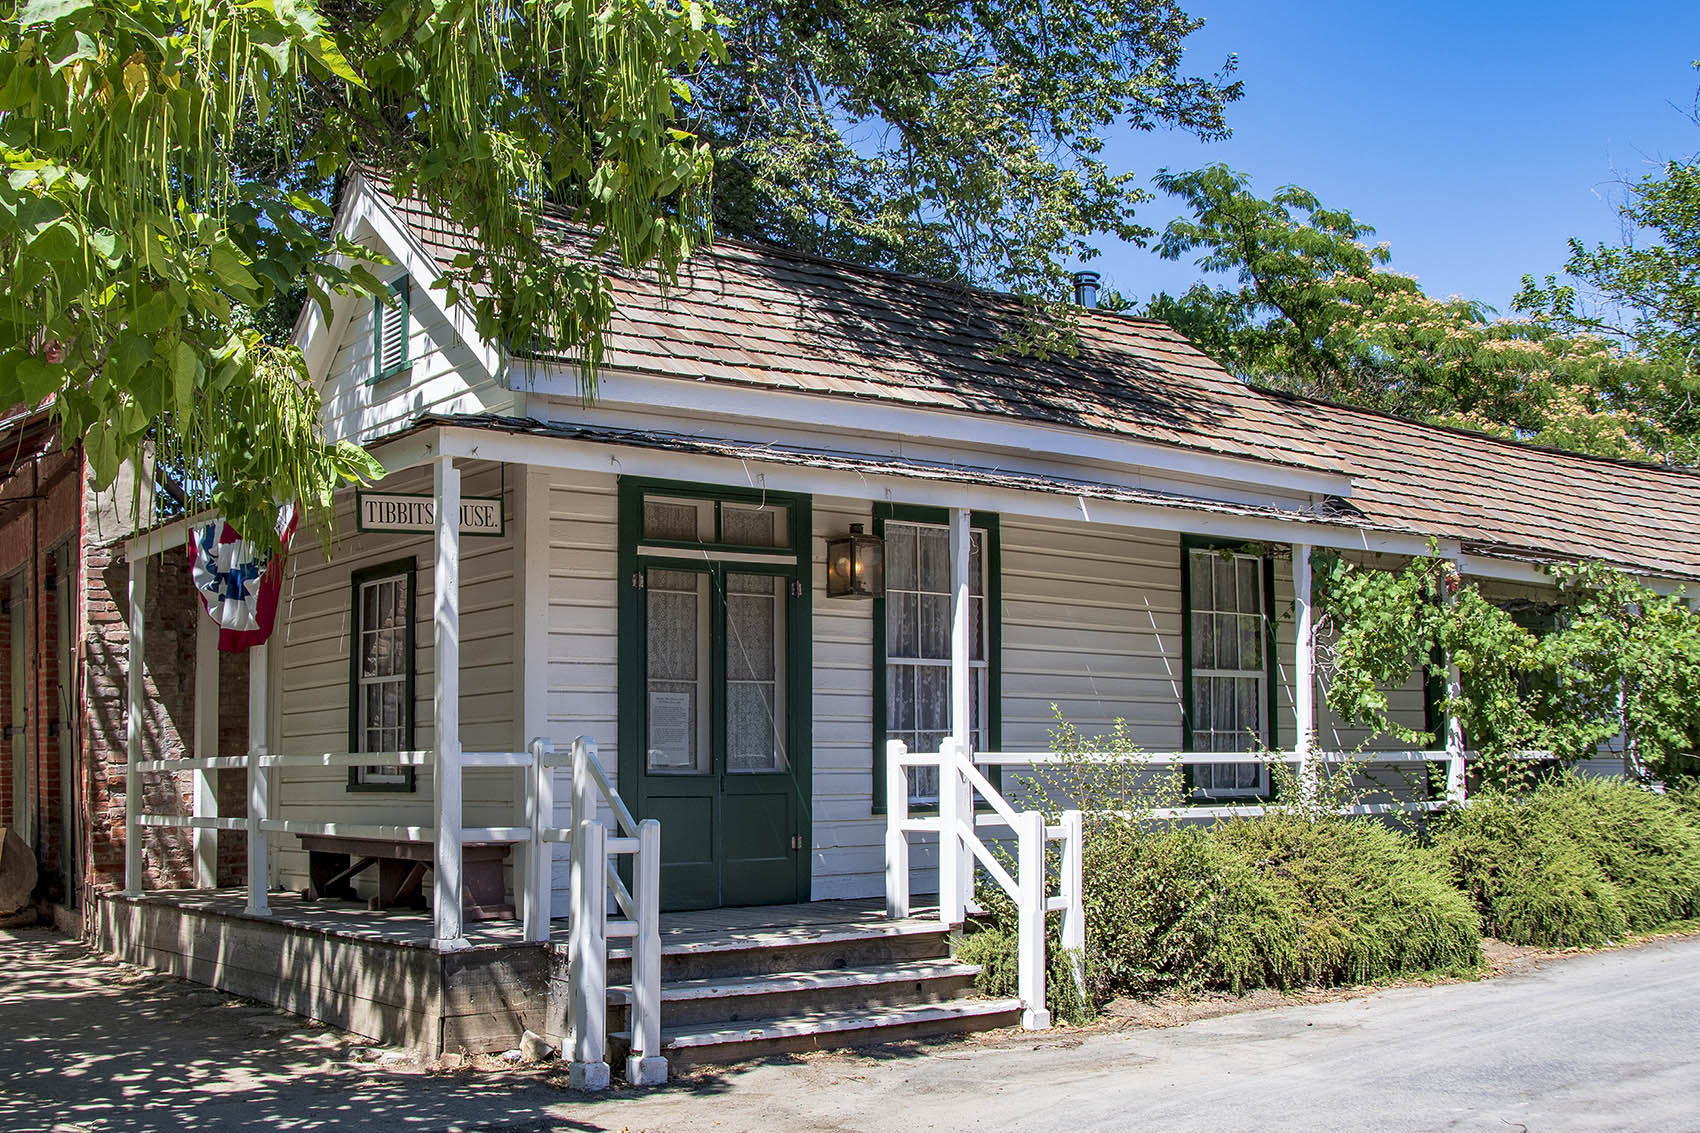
[[712, 954], [737, 998], [710, 1043]]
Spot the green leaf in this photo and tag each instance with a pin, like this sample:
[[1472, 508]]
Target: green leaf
[[185, 368], [102, 449], [51, 11], [228, 266], [36, 379]]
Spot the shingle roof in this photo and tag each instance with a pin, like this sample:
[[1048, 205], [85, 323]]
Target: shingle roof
[[759, 316], [1513, 498]]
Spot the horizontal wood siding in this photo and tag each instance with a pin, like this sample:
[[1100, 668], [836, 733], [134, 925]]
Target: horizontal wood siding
[[583, 617], [444, 376], [313, 634]]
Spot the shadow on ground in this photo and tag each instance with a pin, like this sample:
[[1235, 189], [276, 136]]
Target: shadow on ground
[[86, 1043]]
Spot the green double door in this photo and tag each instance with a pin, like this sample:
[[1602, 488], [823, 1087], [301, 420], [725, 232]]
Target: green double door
[[723, 665]]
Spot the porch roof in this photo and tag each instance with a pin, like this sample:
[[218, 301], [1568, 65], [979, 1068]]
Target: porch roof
[[1494, 498], [1511, 499]]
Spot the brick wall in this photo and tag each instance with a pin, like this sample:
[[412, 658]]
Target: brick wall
[[173, 617], [8, 790], [39, 534]]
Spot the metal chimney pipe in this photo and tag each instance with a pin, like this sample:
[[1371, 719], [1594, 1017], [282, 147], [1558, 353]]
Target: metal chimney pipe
[[1086, 288]]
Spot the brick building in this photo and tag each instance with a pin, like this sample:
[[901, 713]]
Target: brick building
[[64, 654]]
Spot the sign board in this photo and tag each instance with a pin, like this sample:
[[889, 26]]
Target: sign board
[[402, 511]]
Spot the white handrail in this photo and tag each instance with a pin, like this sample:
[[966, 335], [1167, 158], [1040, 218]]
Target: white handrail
[[594, 879], [959, 782]]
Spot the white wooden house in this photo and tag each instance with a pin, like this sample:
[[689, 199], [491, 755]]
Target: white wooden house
[[1121, 534]]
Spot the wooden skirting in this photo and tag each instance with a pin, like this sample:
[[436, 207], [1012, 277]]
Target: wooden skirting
[[394, 992]]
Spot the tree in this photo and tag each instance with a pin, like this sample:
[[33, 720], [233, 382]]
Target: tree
[[1318, 311], [951, 138], [137, 240], [1643, 293]]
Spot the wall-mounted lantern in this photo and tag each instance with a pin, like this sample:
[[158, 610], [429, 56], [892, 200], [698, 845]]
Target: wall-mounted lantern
[[855, 565]]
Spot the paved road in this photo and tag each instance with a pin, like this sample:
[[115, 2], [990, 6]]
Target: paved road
[[1605, 1041]]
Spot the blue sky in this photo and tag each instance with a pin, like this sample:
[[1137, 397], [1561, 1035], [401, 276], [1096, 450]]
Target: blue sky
[[1476, 137]]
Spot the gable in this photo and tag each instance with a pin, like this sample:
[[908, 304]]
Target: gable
[[447, 368]]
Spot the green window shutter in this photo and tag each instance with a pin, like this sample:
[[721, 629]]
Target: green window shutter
[[390, 327]]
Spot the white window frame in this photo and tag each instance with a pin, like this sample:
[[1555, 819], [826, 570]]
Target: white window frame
[[979, 670], [382, 777], [1195, 674]]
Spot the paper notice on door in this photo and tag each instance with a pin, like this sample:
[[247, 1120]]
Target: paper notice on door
[[672, 731]]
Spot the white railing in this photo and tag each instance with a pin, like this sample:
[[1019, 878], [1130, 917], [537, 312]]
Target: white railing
[[960, 783], [1307, 762], [594, 878], [259, 821]]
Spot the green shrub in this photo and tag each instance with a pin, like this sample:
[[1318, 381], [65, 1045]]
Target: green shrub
[[993, 948], [1279, 902], [1576, 861]]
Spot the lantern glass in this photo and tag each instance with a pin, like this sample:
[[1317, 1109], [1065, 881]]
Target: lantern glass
[[855, 565]]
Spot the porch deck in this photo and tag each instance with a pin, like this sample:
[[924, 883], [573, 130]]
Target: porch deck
[[376, 973], [682, 932]]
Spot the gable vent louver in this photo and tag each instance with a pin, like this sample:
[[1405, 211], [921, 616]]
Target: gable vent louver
[[391, 334]]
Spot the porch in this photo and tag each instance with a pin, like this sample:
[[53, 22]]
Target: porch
[[533, 630], [736, 982]]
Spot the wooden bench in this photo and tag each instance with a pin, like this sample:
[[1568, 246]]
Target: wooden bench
[[334, 861]]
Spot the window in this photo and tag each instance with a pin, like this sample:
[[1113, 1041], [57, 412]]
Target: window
[[389, 331], [381, 673], [1230, 671], [912, 625]]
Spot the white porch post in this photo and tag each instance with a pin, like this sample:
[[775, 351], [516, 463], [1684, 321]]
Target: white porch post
[[1304, 673], [1454, 728], [259, 778], [531, 635], [956, 866], [447, 934], [206, 746], [1455, 769], [138, 585]]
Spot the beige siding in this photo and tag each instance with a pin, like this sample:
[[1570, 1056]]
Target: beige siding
[[1092, 625], [445, 376], [313, 636], [583, 615]]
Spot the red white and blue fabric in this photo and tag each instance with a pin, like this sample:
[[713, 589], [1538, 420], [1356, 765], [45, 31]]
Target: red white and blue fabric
[[239, 586]]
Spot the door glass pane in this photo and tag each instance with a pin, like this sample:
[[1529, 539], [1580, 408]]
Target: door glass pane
[[747, 525], [681, 520], [755, 673], [677, 669]]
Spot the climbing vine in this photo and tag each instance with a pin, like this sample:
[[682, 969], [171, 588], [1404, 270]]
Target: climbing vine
[[1618, 666]]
